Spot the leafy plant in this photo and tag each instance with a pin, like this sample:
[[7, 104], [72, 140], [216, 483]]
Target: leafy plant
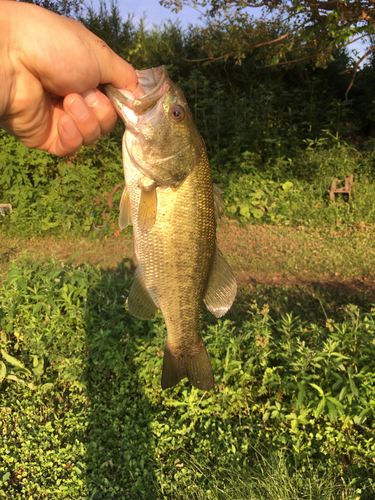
[[301, 385], [14, 370]]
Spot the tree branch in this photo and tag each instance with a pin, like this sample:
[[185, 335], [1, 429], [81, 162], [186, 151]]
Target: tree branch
[[294, 60], [352, 41], [263, 44], [211, 58], [280, 37], [355, 70]]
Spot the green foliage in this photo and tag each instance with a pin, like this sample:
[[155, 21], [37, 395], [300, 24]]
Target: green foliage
[[286, 33], [236, 108], [12, 369], [267, 477], [302, 386], [108, 25], [142, 46], [264, 131], [282, 177], [51, 195], [68, 8], [294, 191]]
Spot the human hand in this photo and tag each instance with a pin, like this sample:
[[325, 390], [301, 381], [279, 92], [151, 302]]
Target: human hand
[[50, 67]]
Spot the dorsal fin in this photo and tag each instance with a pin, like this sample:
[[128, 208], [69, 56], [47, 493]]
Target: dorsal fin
[[221, 288]]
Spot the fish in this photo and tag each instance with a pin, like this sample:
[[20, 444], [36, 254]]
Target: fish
[[173, 206]]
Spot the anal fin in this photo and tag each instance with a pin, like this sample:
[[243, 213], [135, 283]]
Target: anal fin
[[221, 288], [147, 209], [139, 302]]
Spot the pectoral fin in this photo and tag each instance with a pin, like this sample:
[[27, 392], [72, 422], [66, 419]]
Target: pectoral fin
[[140, 303], [147, 209], [218, 202], [221, 288], [124, 219]]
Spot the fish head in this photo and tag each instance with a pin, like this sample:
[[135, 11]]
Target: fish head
[[161, 137]]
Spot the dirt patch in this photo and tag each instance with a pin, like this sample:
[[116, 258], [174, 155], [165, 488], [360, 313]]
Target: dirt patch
[[298, 256], [106, 253], [259, 255], [365, 284]]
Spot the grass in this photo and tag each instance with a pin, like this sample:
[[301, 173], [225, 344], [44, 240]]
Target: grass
[[299, 254], [264, 254], [83, 415], [268, 478]]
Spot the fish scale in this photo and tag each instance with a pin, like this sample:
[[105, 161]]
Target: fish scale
[[180, 244]]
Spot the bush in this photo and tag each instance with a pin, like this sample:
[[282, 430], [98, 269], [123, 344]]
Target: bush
[[294, 191], [53, 195]]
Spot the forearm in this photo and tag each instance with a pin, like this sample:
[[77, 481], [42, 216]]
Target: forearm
[[7, 73]]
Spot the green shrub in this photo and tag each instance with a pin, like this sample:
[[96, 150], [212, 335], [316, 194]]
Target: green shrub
[[51, 195], [295, 385], [294, 191]]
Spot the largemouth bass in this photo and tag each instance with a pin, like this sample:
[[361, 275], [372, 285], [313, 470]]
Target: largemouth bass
[[171, 202]]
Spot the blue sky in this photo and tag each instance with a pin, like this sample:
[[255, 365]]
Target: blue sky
[[155, 14]]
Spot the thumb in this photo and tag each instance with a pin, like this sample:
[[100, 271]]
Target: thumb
[[113, 69]]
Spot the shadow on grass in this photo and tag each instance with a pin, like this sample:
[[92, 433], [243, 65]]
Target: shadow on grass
[[312, 301], [119, 449], [109, 432]]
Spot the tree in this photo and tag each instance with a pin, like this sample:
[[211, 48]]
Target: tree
[[287, 31], [68, 8]]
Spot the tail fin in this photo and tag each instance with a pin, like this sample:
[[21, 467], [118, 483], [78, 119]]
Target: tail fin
[[196, 368]]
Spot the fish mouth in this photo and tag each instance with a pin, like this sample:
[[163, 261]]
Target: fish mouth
[[152, 87]]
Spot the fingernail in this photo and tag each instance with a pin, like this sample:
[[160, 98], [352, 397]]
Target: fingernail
[[70, 128], [90, 97], [78, 109]]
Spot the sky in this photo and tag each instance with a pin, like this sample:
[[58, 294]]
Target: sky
[[155, 14]]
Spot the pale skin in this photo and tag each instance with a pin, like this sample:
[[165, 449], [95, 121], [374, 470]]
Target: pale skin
[[50, 67]]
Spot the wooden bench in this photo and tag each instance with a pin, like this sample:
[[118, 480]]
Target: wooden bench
[[3, 207], [343, 190]]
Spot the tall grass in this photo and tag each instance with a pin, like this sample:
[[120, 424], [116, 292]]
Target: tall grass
[[267, 476]]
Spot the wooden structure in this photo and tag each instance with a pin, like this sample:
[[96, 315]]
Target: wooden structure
[[343, 190], [5, 206]]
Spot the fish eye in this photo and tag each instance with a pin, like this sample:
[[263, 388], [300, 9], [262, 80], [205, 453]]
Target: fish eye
[[177, 113]]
